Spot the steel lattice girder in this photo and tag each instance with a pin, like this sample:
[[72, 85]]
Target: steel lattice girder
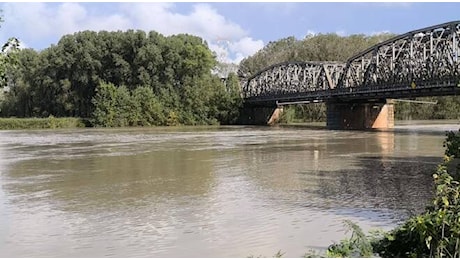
[[427, 58], [416, 58], [293, 78]]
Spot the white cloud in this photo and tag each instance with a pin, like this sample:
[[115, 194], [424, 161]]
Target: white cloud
[[39, 21], [32, 18], [379, 32], [220, 49], [310, 33], [227, 39], [341, 33], [23, 45], [204, 21], [395, 4], [244, 47]]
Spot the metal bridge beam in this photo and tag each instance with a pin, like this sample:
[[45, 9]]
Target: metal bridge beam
[[424, 62]]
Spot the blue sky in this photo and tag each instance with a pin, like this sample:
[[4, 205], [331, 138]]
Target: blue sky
[[233, 30]]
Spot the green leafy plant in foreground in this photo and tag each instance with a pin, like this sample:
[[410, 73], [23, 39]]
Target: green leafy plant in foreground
[[358, 245]]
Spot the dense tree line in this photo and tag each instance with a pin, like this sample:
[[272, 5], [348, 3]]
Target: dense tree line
[[122, 79], [321, 47], [332, 47], [447, 107]]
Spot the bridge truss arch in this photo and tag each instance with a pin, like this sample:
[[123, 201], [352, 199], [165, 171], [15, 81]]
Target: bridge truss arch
[[417, 59], [292, 79]]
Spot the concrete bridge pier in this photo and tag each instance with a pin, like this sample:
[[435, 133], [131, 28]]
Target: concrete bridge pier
[[260, 115], [360, 115]]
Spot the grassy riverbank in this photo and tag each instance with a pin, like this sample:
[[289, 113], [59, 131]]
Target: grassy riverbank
[[41, 123]]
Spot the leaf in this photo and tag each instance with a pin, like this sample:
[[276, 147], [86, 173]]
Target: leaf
[[445, 201]]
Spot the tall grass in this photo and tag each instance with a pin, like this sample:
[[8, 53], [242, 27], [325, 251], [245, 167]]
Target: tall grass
[[41, 123]]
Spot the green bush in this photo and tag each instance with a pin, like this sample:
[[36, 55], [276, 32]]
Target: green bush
[[359, 245], [452, 144], [117, 106], [105, 102]]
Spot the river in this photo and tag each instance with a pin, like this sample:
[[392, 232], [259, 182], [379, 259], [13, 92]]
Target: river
[[207, 191]]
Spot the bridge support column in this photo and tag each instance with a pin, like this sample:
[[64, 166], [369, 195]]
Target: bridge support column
[[255, 115], [355, 115]]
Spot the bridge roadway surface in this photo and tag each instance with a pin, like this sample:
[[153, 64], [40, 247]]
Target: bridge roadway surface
[[423, 62]]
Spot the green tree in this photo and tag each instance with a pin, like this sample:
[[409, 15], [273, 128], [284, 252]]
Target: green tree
[[226, 101], [148, 108], [63, 79], [19, 100], [125, 111], [105, 103]]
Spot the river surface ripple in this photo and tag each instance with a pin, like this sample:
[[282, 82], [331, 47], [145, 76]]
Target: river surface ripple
[[207, 191]]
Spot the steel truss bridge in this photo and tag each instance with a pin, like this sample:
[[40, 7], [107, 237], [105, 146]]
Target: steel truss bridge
[[424, 62]]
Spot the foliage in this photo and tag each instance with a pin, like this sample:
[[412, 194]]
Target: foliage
[[321, 47], [147, 78], [452, 144], [278, 254], [228, 101], [117, 106], [104, 102], [288, 115], [41, 123], [358, 245], [147, 108], [313, 254], [444, 108]]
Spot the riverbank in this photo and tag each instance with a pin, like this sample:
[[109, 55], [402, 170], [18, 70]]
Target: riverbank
[[42, 123], [14, 123]]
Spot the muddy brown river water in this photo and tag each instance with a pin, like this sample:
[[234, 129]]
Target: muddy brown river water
[[207, 191]]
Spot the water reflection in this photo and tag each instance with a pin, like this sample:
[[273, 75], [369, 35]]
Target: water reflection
[[344, 170]]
